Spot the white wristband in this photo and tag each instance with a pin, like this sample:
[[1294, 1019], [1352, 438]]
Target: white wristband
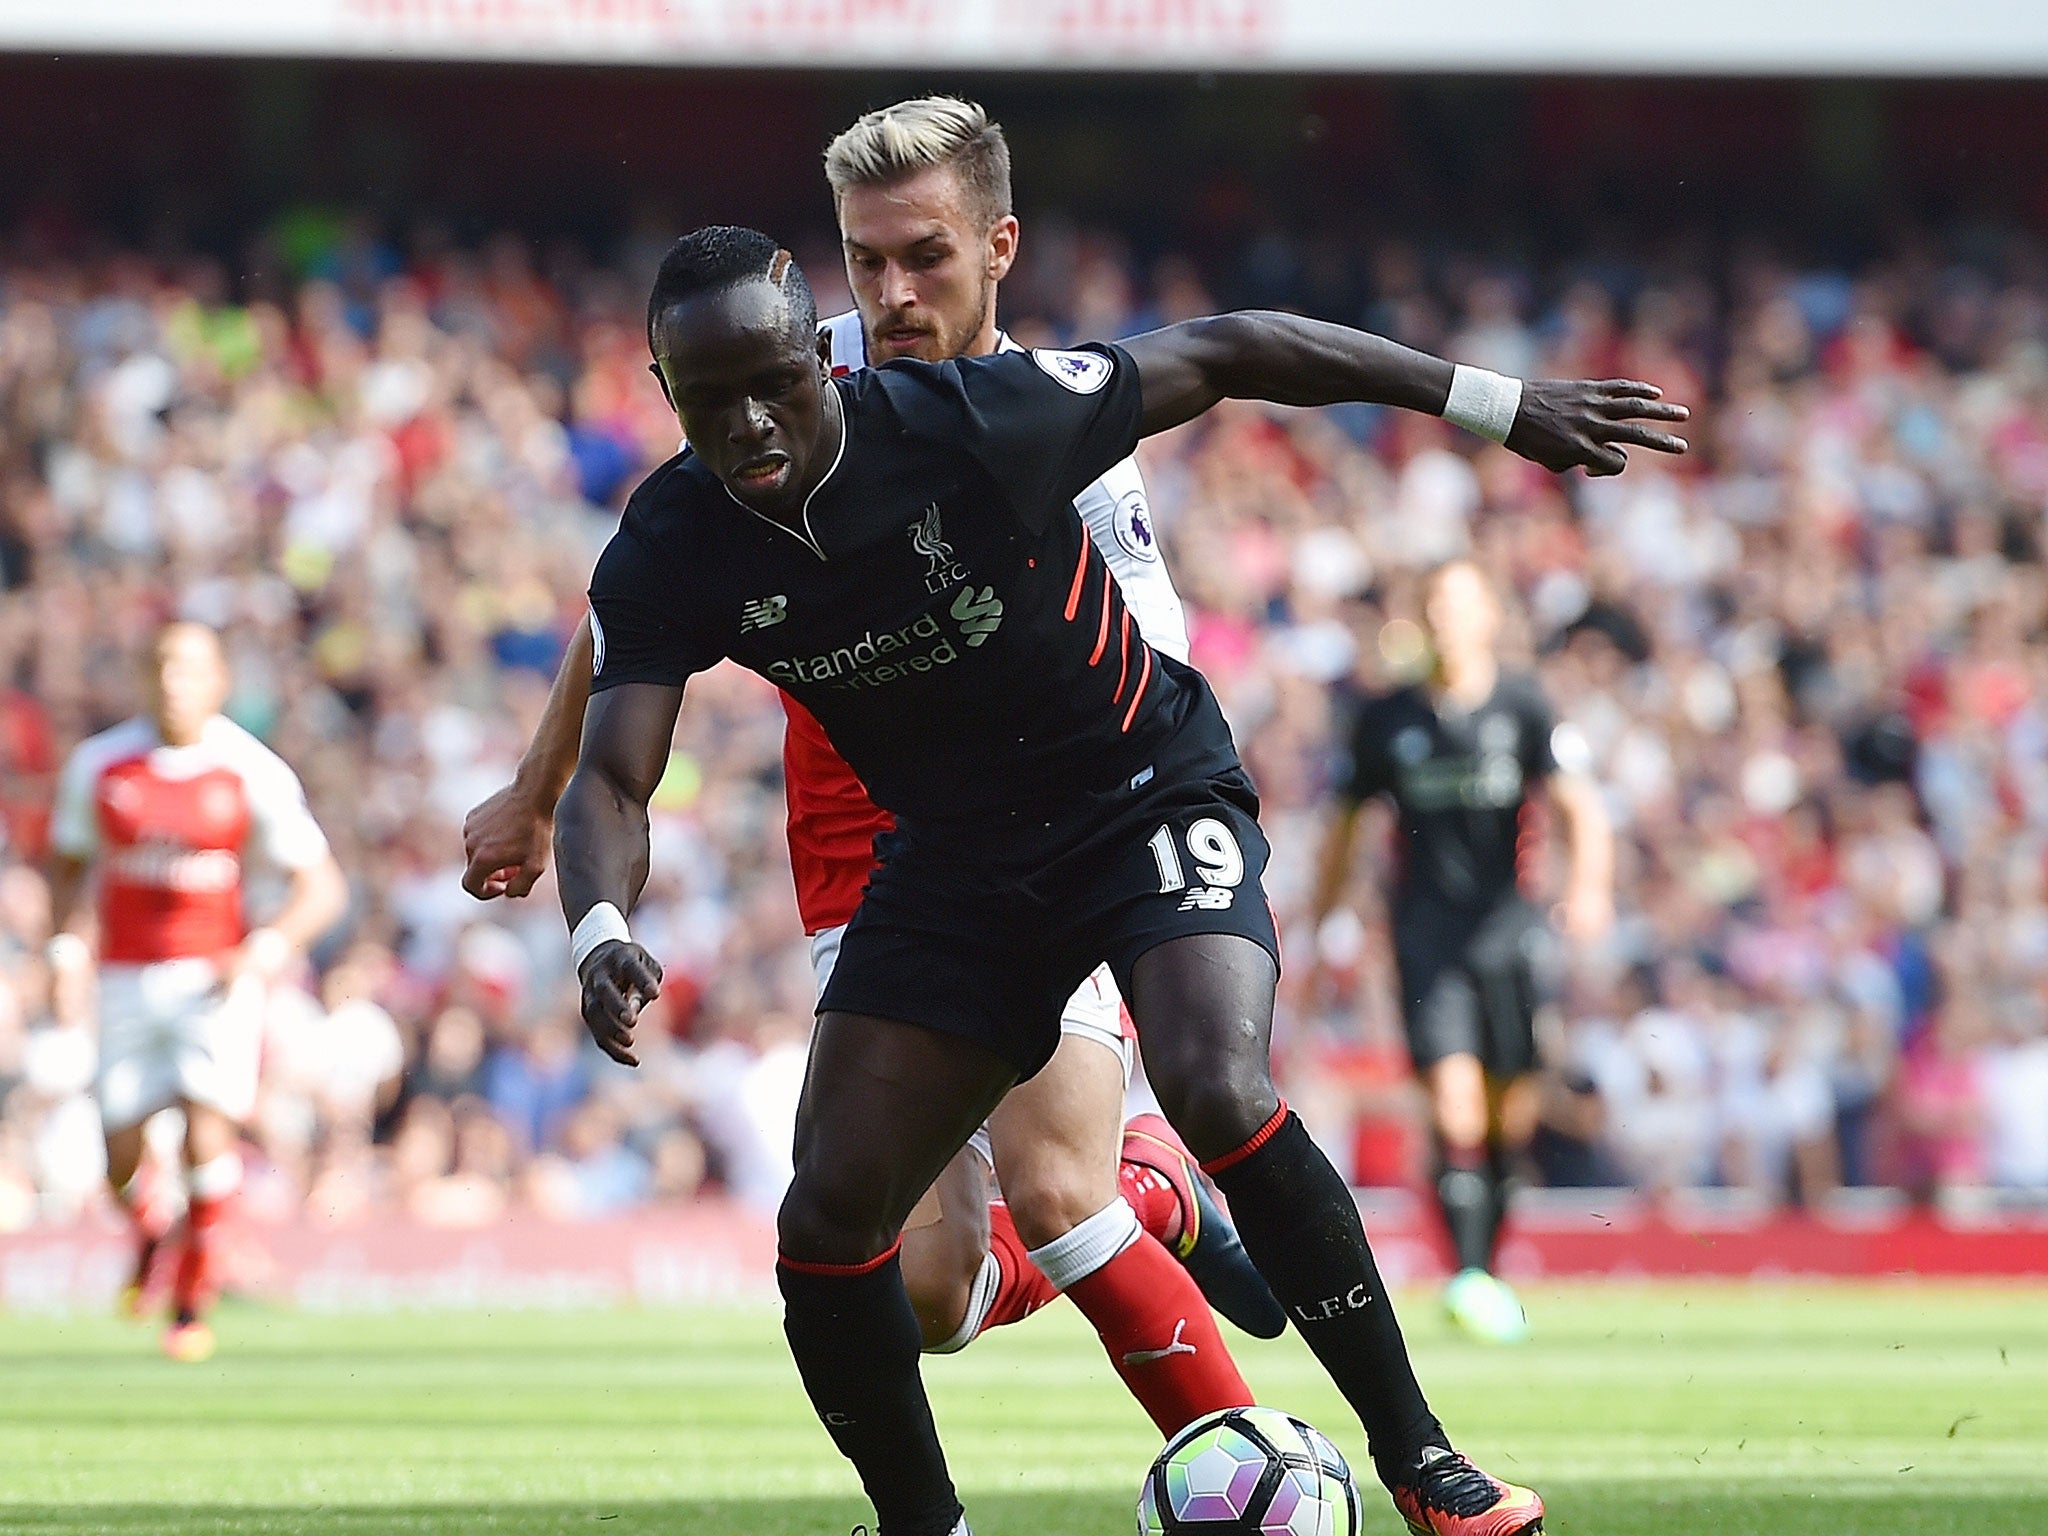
[[1483, 402], [66, 950], [601, 924]]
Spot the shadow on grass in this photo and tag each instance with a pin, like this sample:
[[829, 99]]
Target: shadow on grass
[[1627, 1511]]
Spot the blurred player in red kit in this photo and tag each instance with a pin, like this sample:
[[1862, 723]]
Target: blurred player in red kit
[[162, 810]]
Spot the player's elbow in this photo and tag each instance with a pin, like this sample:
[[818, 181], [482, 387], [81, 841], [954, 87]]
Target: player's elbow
[[1227, 350], [597, 816], [576, 813], [594, 794], [1264, 354]]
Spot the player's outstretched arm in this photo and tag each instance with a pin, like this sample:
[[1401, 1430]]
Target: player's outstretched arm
[[505, 838], [601, 854], [1561, 424]]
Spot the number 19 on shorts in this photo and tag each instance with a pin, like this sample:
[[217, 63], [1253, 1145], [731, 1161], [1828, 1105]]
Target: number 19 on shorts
[[1218, 861]]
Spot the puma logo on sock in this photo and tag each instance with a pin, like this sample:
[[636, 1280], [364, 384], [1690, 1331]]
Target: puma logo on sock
[[1147, 1356]]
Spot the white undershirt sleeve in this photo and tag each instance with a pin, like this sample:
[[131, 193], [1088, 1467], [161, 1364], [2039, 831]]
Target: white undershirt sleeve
[[1118, 516], [282, 825], [74, 821]]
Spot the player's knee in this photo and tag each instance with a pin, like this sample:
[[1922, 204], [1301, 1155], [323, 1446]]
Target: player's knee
[[1458, 1102], [828, 1220], [1219, 1109], [124, 1156], [940, 1267], [208, 1134], [1461, 1125], [1055, 1196], [1521, 1106]]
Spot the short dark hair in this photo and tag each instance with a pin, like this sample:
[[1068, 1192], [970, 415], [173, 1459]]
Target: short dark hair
[[722, 256]]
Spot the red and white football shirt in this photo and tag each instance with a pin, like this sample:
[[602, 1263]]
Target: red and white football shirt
[[168, 828]]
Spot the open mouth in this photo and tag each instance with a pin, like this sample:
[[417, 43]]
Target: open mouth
[[763, 474]]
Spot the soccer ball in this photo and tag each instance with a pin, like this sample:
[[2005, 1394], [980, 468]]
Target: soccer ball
[[1249, 1472]]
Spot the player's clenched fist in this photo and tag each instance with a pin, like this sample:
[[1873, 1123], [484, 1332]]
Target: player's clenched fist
[[1580, 424], [505, 844], [619, 979]]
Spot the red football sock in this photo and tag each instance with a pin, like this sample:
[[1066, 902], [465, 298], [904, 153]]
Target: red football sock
[[142, 1201], [1152, 1196], [1023, 1288], [1160, 1336], [192, 1292], [213, 1185]]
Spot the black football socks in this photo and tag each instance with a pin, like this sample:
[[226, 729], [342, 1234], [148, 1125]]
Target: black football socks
[[1301, 1227], [856, 1344], [1465, 1190], [1500, 1163]]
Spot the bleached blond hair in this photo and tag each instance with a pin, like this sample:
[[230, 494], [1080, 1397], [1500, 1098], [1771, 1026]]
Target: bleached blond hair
[[894, 142]]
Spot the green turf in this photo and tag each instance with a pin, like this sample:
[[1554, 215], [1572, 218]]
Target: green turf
[[1653, 1412]]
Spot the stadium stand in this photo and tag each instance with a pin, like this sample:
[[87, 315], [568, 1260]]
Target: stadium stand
[[1812, 662]]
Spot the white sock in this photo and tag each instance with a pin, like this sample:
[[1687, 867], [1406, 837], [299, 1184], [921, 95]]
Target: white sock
[[1069, 1260], [981, 1298], [984, 1148], [216, 1178]]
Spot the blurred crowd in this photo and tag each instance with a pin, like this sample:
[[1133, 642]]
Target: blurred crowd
[[1811, 658]]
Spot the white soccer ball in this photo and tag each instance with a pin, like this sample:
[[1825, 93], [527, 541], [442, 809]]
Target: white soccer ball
[[1249, 1472]]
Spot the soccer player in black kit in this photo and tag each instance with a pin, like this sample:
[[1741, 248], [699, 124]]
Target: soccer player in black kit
[[1462, 756], [897, 548]]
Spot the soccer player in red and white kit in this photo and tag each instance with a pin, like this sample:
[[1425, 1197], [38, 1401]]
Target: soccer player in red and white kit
[[163, 809], [1089, 1206]]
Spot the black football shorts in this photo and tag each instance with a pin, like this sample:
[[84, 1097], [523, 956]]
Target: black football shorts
[[940, 942], [1471, 983]]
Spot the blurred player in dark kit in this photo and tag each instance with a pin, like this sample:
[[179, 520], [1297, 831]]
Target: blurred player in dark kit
[[1462, 756]]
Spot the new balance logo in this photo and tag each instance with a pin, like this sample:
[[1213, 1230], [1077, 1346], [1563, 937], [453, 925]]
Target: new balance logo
[[980, 613], [1208, 898], [763, 612], [928, 541], [1147, 1356]]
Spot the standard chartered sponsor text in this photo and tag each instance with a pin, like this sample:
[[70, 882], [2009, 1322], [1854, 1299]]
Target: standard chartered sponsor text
[[919, 646], [873, 659]]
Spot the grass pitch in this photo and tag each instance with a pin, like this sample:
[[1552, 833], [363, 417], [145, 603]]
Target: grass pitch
[[1670, 1411]]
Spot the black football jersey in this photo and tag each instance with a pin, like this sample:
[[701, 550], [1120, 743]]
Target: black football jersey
[[936, 604], [1459, 781]]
